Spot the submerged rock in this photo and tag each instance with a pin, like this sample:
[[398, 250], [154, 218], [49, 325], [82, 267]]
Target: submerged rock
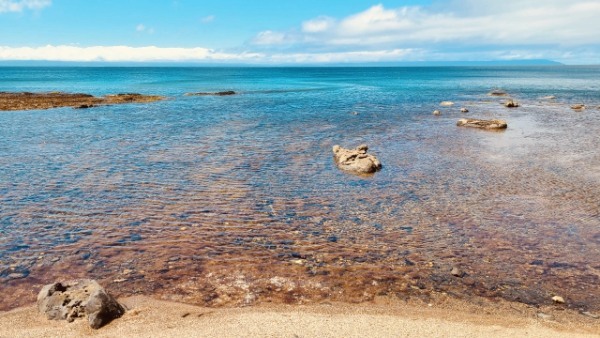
[[78, 299], [225, 93], [578, 106], [456, 272], [464, 110], [511, 104], [437, 112], [549, 97], [497, 92], [483, 124], [446, 103], [356, 160]]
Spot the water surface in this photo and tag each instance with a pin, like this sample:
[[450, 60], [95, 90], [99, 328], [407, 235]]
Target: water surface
[[235, 200]]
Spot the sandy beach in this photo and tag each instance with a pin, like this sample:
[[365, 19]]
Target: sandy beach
[[147, 317]]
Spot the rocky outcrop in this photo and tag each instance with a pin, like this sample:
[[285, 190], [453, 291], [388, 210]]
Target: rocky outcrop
[[225, 93], [356, 160], [29, 101], [483, 124], [77, 299], [511, 104]]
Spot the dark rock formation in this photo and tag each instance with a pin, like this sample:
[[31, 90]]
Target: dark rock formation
[[483, 124], [497, 92], [356, 160], [77, 299], [225, 93]]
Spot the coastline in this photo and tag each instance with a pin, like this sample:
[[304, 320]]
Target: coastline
[[384, 317]]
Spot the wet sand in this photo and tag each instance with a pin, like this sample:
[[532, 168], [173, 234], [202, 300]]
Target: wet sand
[[31, 101], [383, 317]]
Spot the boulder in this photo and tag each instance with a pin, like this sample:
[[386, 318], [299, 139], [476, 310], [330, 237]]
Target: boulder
[[511, 104], [483, 124], [355, 160], [77, 299]]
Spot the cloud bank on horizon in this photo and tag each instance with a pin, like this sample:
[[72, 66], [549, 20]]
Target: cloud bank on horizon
[[449, 30]]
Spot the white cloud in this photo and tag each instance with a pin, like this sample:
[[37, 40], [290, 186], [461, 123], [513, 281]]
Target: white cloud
[[119, 54], [152, 53], [466, 22], [269, 38], [341, 57], [142, 28], [208, 19], [320, 24], [20, 5]]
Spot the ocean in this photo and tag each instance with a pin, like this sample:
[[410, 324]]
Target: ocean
[[235, 200]]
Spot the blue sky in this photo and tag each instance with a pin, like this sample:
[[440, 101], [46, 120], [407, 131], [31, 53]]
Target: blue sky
[[300, 31]]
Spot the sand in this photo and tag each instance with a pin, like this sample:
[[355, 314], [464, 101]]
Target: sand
[[148, 317]]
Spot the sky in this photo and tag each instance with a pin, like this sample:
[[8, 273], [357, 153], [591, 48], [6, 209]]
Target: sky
[[300, 31]]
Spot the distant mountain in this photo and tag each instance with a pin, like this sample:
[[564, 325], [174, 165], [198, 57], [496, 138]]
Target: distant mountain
[[536, 62]]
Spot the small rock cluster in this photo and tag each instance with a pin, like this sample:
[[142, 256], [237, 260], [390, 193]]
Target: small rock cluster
[[356, 160]]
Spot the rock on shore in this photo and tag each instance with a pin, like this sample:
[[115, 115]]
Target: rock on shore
[[483, 124], [77, 299], [356, 160]]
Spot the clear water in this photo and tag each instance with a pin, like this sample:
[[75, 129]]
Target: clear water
[[235, 200]]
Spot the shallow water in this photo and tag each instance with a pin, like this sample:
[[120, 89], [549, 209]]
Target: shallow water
[[235, 200]]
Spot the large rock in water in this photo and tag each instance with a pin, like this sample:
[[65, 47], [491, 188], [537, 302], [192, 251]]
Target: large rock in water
[[483, 124], [356, 160], [77, 299]]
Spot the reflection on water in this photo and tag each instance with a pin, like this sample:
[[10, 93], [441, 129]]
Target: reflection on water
[[230, 201]]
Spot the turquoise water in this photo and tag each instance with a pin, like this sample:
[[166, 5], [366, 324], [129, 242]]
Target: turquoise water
[[235, 200]]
